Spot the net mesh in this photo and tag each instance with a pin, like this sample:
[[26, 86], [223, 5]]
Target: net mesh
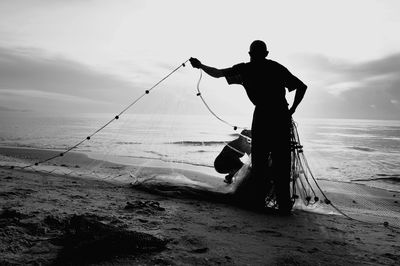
[[358, 202], [355, 201]]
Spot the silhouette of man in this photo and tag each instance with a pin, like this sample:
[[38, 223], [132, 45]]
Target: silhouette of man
[[265, 81]]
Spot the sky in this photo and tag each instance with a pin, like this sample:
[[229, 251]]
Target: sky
[[98, 56]]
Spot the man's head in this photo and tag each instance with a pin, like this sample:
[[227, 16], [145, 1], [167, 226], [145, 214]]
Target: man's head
[[258, 50]]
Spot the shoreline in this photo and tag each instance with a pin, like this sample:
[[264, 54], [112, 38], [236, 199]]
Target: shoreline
[[131, 161], [359, 201], [36, 207]]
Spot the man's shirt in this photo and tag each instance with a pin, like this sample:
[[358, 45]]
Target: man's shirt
[[264, 81]]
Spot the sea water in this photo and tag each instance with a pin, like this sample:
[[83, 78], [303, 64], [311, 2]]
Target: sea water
[[337, 149]]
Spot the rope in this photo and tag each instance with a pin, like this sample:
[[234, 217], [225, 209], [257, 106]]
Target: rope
[[212, 112], [106, 124]]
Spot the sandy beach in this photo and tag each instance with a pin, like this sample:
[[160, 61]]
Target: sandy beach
[[69, 217]]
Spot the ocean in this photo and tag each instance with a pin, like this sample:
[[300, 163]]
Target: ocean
[[343, 150]]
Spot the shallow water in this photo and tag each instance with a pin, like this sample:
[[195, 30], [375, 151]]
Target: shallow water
[[336, 149]]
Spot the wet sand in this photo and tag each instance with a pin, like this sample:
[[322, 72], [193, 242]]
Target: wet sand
[[43, 214]]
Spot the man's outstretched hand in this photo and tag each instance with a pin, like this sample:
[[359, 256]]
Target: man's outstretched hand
[[195, 62]]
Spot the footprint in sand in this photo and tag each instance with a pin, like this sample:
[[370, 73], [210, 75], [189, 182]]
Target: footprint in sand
[[194, 244], [224, 228], [147, 206], [270, 232]]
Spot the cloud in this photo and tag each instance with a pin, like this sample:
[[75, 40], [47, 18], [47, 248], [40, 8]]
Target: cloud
[[338, 88], [50, 96], [394, 101], [368, 89], [23, 68], [33, 79], [7, 109], [29, 77]]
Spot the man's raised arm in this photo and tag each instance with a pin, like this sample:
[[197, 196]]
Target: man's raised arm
[[212, 71]]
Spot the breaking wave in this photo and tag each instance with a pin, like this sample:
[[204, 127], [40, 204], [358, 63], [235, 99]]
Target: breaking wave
[[361, 149], [198, 143]]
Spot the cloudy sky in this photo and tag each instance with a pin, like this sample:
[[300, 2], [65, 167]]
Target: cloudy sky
[[98, 55]]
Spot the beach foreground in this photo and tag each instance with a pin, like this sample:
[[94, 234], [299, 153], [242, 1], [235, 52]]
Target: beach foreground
[[49, 218]]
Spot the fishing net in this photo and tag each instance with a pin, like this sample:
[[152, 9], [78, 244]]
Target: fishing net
[[156, 167], [305, 193]]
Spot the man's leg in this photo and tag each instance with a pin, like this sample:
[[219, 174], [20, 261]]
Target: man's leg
[[281, 160], [282, 166], [259, 160]]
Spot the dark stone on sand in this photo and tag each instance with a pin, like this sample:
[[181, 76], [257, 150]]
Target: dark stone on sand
[[290, 260], [87, 240], [71, 240], [392, 256], [386, 224], [53, 222], [8, 213], [200, 250]]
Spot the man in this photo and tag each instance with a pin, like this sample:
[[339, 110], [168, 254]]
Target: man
[[265, 81], [228, 160]]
